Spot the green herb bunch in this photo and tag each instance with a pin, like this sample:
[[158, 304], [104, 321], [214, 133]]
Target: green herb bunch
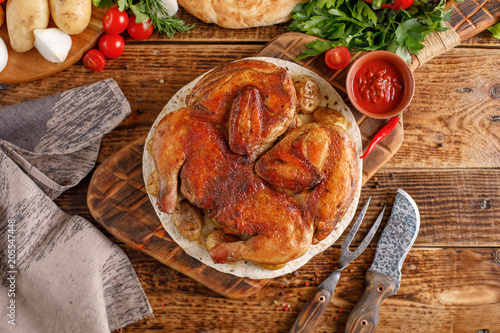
[[495, 30], [355, 25], [149, 9]]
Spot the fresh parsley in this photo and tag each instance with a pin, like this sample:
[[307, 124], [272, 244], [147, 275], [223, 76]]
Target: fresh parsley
[[495, 30], [149, 9], [355, 25]]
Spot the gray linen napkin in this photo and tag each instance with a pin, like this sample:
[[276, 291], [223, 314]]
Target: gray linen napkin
[[58, 272]]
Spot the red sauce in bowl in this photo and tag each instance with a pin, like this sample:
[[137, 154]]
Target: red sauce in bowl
[[378, 86]]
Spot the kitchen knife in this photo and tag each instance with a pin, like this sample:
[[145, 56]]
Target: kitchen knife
[[383, 278]]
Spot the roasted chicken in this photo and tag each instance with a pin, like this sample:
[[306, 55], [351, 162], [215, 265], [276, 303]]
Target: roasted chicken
[[274, 201]]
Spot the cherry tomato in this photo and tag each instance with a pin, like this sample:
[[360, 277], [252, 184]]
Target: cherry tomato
[[111, 45], [94, 60], [115, 21], [338, 58], [139, 31]]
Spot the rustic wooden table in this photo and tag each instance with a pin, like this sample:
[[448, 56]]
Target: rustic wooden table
[[449, 163]]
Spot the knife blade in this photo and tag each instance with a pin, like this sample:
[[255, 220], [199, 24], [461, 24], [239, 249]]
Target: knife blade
[[383, 278]]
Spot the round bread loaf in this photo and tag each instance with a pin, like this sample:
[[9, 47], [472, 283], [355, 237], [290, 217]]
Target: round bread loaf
[[238, 14]]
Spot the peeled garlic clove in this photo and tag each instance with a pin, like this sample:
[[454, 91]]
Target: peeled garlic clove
[[171, 6], [53, 44], [4, 55]]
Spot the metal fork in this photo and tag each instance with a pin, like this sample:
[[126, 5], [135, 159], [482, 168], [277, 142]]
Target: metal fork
[[311, 314]]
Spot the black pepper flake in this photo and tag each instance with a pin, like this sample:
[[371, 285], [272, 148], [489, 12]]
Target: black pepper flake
[[3, 86], [140, 111], [440, 144], [281, 294]]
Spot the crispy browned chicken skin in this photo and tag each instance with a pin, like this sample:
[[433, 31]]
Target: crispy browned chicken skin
[[233, 115]]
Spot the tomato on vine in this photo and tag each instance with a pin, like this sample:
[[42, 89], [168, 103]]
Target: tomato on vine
[[115, 21], [139, 31]]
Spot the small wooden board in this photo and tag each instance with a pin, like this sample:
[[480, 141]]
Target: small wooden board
[[30, 66]]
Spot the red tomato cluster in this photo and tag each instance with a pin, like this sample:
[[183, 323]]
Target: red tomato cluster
[[111, 44]]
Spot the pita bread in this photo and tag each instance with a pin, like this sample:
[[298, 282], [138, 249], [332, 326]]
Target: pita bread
[[237, 14], [197, 248]]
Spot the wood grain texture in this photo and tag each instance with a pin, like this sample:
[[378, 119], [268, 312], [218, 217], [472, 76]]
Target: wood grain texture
[[450, 278], [29, 66], [443, 290], [469, 18]]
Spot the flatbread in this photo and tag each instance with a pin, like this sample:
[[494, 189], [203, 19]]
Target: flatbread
[[238, 14], [197, 248]]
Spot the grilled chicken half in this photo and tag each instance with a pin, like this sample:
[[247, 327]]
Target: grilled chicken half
[[275, 201]]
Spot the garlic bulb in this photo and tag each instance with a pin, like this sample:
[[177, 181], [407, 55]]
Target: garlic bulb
[[53, 44], [4, 55], [171, 5]]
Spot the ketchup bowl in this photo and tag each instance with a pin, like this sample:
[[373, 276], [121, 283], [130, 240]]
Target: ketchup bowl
[[380, 84]]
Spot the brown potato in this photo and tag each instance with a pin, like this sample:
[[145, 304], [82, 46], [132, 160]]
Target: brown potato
[[330, 116], [71, 16], [272, 267], [308, 93], [149, 146], [153, 185], [297, 122], [188, 219], [218, 236], [22, 18]]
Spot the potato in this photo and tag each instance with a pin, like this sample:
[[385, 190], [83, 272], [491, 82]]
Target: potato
[[22, 18], [308, 93], [71, 16], [2, 15], [188, 219], [218, 236], [272, 267], [153, 185], [330, 116]]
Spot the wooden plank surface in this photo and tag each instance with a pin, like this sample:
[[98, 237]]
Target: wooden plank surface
[[436, 295], [450, 279]]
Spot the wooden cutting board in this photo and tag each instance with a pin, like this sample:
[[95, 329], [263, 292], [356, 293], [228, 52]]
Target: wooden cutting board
[[117, 196], [30, 66]]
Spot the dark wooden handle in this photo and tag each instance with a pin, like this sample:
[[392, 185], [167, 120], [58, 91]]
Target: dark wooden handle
[[364, 316], [312, 312]]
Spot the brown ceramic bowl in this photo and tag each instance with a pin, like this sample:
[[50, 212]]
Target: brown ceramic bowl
[[403, 68]]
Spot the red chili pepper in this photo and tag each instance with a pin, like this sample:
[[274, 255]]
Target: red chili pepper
[[382, 133], [396, 5]]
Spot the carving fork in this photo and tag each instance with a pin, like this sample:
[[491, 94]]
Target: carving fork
[[311, 314]]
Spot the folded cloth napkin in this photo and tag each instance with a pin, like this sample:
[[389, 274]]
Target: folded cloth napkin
[[59, 272]]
